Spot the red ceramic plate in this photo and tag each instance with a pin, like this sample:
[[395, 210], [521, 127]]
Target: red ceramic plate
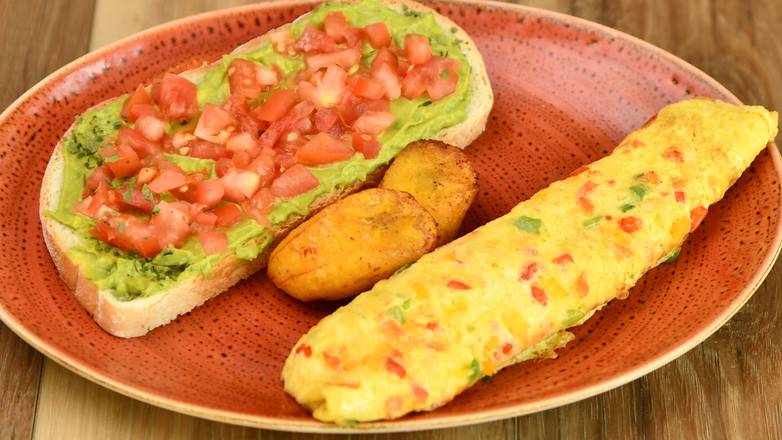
[[567, 91]]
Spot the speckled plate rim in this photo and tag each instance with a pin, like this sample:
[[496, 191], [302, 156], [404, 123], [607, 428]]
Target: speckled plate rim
[[246, 419]]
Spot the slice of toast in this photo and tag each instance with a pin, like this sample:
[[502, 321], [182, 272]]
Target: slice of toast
[[138, 316]]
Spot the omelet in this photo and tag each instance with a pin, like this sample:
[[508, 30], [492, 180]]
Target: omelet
[[508, 290]]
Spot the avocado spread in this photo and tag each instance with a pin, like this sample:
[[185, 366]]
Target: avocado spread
[[129, 276]]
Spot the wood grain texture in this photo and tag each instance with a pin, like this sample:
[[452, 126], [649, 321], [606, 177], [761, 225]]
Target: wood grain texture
[[43, 22], [728, 387]]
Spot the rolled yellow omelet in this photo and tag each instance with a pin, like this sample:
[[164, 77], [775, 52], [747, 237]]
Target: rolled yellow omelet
[[507, 291]]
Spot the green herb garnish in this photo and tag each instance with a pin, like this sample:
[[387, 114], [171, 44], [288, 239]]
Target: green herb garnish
[[573, 316], [626, 207], [640, 190], [475, 372], [111, 159], [147, 192], [528, 224], [396, 314], [592, 222], [673, 256]]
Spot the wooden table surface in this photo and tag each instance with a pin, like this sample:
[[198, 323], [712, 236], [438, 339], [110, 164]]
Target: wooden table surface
[[728, 387]]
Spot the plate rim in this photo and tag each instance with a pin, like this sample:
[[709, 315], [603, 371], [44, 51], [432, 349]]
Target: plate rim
[[313, 426]]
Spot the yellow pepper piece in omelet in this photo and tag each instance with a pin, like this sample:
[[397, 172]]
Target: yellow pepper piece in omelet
[[507, 291]]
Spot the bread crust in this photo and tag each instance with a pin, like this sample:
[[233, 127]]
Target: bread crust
[[138, 316]]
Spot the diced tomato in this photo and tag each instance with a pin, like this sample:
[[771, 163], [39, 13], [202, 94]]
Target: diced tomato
[[294, 181], [248, 79], [205, 219], [167, 180], [135, 198], [395, 367], [151, 127], [325, 118], [278, 104], [378, 35], [138, 97], [239, 184], [680, 196], [373, 123], [272, 134], [419, 392], [696, 217], [121, 160], [582, 286], [630, 224], [417, 50], [237, 107], [312, 40], [674, 155], [539, 295], [215, 124], [366, 145], [128, 233], [586, 205], [209, 192], [284, 161], [443, 77], [457, 285], [242, 142], [385, 56], [351, 107], [368, 88], [389, 79], [139, 110], [652, 178], [324, 89], [171, 224], [263, 200], [528, 272], [241, 159], [135, 140], [323, 149], [177, 97], [228, 215], [563, 259], [98, 175], [102, 196], [213, 242], [579, 170], [415, 82], [345, 58], [206, 150], [263, 165], [337, 28]]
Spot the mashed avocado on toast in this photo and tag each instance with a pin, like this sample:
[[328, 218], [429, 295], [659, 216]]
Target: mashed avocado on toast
[[129, 276]]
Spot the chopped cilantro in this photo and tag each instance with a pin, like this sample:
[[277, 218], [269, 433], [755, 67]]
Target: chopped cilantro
[[572, 317], [111, 159], [128, 194], [673, 256], [454, 29], [406, 303], [396, 313], [640, 190], [528, 224], [402, 268], [146, 192], [626, 207], [592, 222], [120, 226], [475, 372], [156, 210], [638, 176]]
